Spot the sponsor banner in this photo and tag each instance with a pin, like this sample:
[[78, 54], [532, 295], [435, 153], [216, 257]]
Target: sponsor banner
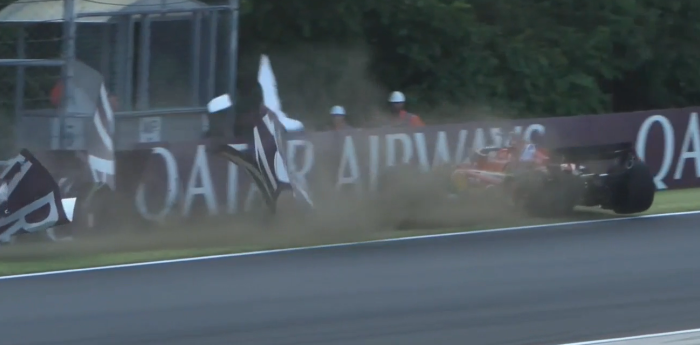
[[100, 151], [91, 98], [183, 179], [30, 198], [187, 179]]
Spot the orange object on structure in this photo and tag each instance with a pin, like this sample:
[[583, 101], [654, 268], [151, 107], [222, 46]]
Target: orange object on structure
[[56, 94], [412, 119]]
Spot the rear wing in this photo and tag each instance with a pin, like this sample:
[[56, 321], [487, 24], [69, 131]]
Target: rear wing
[[592, 153]]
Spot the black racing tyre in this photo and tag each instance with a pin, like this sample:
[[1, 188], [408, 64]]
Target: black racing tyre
[[635, 193]]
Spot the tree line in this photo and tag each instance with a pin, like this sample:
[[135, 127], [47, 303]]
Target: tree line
[[535, 57]]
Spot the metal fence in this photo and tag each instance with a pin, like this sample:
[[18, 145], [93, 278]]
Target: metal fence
[[161, 61]]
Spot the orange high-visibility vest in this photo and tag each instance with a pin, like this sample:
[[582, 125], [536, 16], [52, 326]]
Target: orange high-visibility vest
[[412, 120]]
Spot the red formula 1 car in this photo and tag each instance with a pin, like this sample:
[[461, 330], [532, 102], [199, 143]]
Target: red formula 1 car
[[554, 181]]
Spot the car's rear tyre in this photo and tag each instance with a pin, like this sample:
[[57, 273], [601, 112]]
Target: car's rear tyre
[[635, 193]]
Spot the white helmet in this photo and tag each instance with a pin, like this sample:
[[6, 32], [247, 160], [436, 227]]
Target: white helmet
[[397, 97], [338, 110]]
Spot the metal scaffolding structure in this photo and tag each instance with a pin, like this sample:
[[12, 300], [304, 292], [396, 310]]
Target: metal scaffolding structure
[[161, 60]]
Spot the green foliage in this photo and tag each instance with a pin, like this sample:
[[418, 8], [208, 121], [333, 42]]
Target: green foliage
[[538, 57], [534, 57]]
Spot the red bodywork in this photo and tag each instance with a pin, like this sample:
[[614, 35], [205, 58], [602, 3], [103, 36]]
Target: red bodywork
[[489, 166]]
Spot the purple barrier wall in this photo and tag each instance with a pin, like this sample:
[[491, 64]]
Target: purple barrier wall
[[182, 178]]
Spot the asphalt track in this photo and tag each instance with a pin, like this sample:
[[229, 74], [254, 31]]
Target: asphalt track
[[546, 286]]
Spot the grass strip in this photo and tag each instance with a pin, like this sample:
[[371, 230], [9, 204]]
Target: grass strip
[[41, 257]]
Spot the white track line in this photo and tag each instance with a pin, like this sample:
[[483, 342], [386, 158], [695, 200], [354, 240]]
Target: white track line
[[347, 244], [662, 338]]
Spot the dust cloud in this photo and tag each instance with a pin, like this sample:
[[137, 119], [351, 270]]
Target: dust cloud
[[407, 199], [311, 83]]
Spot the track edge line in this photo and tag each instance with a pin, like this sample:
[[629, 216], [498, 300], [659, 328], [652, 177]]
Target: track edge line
[[345, 244]]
